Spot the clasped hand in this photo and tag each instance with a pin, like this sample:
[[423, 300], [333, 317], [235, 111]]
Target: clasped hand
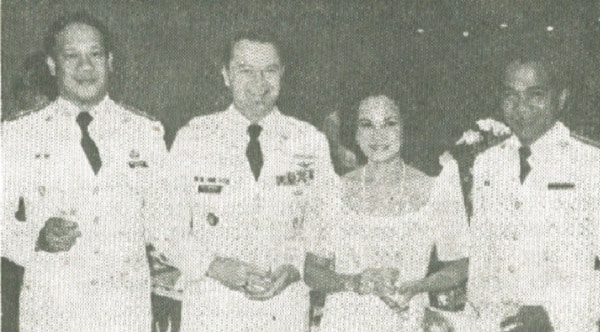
[[256, 283], [381, 282], [57, 235]]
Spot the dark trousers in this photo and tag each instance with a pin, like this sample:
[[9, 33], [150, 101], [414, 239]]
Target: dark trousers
[[165, 312], [12, 278]]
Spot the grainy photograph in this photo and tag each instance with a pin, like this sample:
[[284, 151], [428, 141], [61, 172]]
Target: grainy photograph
[[302, 166]]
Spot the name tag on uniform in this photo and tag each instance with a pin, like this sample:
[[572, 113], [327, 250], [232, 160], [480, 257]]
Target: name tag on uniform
[[210, 189], [561, 185], [138, 163], [210, 185], [295, 178]]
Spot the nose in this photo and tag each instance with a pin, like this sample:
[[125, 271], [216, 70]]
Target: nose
[[260, 82], [85, 62], [380, 133], [522, 101]]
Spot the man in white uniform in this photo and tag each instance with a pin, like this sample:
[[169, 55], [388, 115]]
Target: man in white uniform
[[243, 177], [535, 227], [74, 176]]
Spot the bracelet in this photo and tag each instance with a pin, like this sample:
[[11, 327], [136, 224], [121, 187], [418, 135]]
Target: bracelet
[[350, 284]]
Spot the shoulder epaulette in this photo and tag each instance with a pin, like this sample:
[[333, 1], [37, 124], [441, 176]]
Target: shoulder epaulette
[[586, 140], [138, 112], [20, 114]]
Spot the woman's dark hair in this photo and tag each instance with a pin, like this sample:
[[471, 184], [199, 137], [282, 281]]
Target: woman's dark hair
[[355, 93]]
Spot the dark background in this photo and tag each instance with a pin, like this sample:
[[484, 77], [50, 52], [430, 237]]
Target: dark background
[[168, 52], [446, 52]]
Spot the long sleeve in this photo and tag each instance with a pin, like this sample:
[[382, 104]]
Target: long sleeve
[[449, 212], [20, 225], [171, 215]]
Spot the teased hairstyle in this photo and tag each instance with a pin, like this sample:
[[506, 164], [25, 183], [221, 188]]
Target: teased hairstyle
[[79, 17], [356, 93], [261, 35]]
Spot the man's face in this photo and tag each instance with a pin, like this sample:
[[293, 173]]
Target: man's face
[[254, 76], [530, 104], [80, 64]]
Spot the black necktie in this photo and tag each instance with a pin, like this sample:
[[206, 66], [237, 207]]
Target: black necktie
[[524, 153], [87, 143], [253, 151]]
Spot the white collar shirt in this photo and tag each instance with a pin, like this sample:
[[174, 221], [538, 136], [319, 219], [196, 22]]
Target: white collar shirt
[[535, 242]]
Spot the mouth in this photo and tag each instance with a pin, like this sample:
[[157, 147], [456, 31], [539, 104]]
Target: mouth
[[86, 81], [378, 147]]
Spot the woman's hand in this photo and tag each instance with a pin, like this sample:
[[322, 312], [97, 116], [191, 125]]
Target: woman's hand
[[277, 282], [379, 281], [399, 300]]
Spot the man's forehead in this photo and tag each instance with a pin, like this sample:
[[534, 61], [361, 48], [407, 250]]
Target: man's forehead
[[524, 75], [256, 53], [79, 33]]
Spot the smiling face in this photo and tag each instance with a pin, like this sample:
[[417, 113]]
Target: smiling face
[[80, 64], [379, 134], [254, 76], [530, 103]]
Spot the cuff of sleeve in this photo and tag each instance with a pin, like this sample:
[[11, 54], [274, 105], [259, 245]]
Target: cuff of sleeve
[[191, 259]]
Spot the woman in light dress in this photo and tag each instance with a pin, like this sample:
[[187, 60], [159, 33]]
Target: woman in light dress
[[371, 253]]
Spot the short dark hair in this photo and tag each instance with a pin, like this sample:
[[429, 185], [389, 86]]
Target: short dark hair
[[355, 93], [261, 35], [81, 17], [543, 51]]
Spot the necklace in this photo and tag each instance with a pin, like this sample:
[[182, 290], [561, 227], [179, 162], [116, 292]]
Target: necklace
[[390, 204]]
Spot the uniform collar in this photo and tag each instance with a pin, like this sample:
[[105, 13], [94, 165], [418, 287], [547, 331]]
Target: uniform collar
[[272, 120], [556, 134], [546, 144], [71, 109]]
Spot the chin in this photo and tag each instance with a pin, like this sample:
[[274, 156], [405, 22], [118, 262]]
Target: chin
[[380, 158]]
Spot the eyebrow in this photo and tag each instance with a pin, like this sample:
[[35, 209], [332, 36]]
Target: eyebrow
[[535, 87], [244, 65]]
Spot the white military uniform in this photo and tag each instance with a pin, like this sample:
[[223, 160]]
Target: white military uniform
[[226, 212], [102, 282], [534, 243]]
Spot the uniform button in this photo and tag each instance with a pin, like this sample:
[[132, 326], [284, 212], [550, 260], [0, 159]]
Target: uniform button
[[511, 269], [515, 236], [518, 204], [96, 190], [97, 251], [94, 282], [96, 219]]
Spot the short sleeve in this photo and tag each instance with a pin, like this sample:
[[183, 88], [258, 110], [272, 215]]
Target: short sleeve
[[448, 213], [323, 201], [321, 218]]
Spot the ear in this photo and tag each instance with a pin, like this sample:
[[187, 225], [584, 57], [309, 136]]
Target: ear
[[225, 73], [282, 71], [51, 65], [110, 62], [562, 99]]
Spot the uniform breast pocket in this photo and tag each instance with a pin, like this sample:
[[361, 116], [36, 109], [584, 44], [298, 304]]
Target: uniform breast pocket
[[46, 200], [213, 210], [562, 203]]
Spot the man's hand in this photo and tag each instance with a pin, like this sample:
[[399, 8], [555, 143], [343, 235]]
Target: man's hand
[[528, 319], [233, 273], [281, 278], [57, 235], [378, 281]]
